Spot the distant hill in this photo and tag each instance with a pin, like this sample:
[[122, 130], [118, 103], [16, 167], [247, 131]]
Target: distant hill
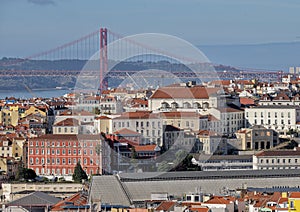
[[272, 56]]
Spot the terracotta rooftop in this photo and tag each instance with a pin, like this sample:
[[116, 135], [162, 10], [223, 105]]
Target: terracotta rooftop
[[138, 115], [125, 131], [177, 114], [247, 101], [68, 122], [218, 200], [294, 195], [208, 133], [279, 153], [77, 199], [66, 137], [164, 206], [145, 148], [102, 117], [196, 92]]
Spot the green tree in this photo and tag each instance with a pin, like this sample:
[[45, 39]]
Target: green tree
[[25, 173], [79, 174], [134, 154]]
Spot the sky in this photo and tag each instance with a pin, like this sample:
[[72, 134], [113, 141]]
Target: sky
[[31, 26]]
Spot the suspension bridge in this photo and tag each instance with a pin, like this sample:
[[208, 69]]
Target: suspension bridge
[[68, 60]]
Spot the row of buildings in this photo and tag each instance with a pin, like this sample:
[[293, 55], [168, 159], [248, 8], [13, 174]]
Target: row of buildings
[[105, 132]]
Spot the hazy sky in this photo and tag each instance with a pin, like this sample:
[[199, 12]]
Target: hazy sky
[[30, 26]]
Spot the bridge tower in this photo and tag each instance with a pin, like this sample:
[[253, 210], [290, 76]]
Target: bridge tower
[[103, 58]]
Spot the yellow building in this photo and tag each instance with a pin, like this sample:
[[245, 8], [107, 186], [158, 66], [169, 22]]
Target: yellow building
[[9, 117], [34, 110], [294, 202], [8, 166]]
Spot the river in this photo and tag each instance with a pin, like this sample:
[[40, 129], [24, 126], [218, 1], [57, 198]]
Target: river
[[24, 94]]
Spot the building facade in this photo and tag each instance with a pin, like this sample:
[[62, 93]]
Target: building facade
[[277, 159], [58, 154]]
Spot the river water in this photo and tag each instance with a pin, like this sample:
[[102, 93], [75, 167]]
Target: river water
[[24, 94]]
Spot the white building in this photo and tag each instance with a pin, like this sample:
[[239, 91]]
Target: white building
[[212, 142], [277, 117], [148, 124], [277, 159], [226, 120], [186, 97]]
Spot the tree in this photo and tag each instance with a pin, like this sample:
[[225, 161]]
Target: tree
[[79, 174], [25, 173], [134, 154]]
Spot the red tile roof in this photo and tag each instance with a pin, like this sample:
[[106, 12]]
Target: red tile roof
[[145, 148], [279, 153], [196, 92], [165, 206], [177, 114], [294, 195], [68, 122], [125, 131], [77, 199], [208, 133], [138, 115], [247, 101], [218, 200]]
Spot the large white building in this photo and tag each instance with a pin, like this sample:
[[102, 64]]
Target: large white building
[[277, 117], [186, 97], [148, 124], [227, 120], [279, 159]]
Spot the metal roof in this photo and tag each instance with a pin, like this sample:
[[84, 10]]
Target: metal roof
[[35, 199]]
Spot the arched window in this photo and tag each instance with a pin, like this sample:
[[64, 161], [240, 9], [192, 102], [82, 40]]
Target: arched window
[[165, 105], [186, 105], [174, 105]]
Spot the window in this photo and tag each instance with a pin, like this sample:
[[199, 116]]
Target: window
[[64, 161], [57, 161], [74, 160], [74, 152], [292, 204], [37, 151], [37, 161]]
